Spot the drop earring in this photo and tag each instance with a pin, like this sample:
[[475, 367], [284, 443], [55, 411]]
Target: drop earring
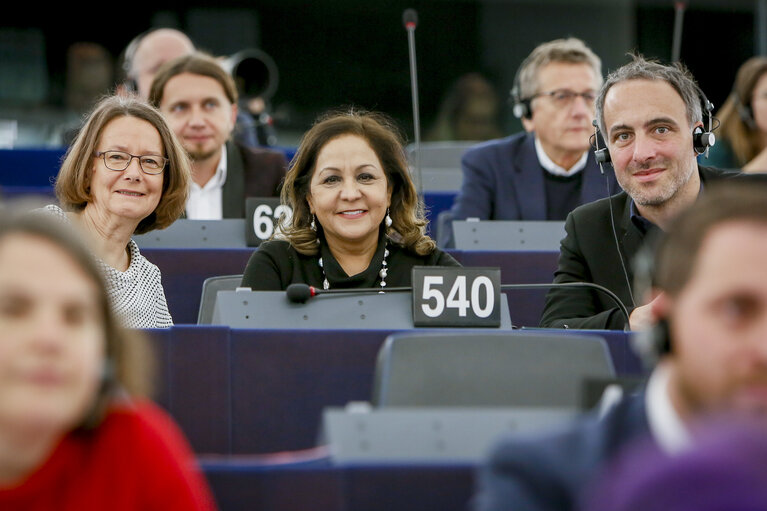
[[387, 219], [313, 224]]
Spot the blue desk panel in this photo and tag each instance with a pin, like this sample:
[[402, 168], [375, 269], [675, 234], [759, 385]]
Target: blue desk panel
[[281, 484], [263, 391]]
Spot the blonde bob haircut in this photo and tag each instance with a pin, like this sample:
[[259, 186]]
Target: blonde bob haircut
[[73, 181], [383, 136]]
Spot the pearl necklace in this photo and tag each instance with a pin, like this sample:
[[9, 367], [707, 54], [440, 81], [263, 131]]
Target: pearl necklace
[[382, 272]]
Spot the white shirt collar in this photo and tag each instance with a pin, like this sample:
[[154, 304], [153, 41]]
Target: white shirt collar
[[666, 425], [206, 202], [552, 168], [219, 178]]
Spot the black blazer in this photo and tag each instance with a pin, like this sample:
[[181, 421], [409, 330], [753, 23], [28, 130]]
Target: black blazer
[[589, 253], [250, 172]]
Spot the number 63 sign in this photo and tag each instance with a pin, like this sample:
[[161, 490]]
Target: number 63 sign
[[456, 296]]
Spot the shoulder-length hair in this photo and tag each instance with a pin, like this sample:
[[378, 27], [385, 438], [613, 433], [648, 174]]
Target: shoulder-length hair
[[73, 181], [738, 126], [129, 364], [380, 131]]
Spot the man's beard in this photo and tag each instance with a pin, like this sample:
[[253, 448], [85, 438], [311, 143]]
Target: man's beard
[[200, 155], [650, 198]]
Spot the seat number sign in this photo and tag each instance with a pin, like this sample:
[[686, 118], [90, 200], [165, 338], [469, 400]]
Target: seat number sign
[[262, 216], [448, 296]]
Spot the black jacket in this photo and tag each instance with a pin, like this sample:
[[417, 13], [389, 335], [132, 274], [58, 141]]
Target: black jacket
[[592, 252]]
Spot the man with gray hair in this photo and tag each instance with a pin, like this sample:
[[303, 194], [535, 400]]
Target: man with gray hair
[[652, 118], [547, 170]]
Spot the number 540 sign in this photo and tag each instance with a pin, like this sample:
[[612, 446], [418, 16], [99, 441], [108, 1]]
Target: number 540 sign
[[456, 296]]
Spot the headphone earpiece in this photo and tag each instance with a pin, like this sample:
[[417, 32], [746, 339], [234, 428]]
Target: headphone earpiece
[[601, 153], [653, 343], [702, 140], [520, 106], [745, 111]]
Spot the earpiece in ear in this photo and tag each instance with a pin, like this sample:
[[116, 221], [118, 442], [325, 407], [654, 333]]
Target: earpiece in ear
[[746, 115], [702, 140], [652, 343], [601, 154], [521, 108]]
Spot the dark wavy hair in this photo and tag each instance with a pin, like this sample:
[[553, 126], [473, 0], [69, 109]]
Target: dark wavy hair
[[380, 131]]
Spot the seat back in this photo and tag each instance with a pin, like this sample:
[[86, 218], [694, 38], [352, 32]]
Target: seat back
[[210, 288], [440, 164], [509, 369]]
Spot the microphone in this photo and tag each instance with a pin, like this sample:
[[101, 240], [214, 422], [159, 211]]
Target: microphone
[[676, 49], [301, 293], [603, 289], [410, 20]]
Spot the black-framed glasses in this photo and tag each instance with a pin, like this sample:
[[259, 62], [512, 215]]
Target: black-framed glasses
[[119, 161], [564, 97]]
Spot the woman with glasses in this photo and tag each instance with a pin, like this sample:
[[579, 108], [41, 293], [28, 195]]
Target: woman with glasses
[[125, 173], [77, 428]]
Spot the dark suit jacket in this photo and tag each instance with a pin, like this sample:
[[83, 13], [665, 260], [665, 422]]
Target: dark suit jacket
[[503, 180], [250, 172], [588, 253], [549, 472]]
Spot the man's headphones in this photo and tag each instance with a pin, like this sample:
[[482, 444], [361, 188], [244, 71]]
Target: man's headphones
[[701, 139], [745, 111], [520, 106], [653, 343]]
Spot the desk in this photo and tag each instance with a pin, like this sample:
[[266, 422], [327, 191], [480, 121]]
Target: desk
[[184, 270], [244, 484], [261, 391]]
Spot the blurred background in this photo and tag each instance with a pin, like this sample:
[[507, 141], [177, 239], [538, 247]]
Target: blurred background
[[56, 60]]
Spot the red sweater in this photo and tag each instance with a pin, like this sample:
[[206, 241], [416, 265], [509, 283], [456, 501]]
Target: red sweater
[[137, 459]]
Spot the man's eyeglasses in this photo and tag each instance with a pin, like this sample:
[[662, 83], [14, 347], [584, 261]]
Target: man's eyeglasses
[[564, 97], [119, 160]]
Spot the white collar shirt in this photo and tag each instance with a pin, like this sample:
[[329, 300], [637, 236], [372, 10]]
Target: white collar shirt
[[206, 202], [666, 426], [552, 168]]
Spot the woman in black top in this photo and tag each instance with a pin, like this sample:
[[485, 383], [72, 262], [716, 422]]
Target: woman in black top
[[357, 220]]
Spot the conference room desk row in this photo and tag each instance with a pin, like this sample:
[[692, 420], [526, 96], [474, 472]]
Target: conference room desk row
[[242, 391], [184, 270], [313, 482]]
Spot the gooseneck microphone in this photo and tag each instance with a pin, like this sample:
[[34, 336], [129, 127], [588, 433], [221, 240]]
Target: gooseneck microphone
[[301, 293], [410, 20], [591, 285], [676, 49]]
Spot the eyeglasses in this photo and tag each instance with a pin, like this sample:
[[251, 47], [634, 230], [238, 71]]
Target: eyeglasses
[[119, 160], [564, 97]]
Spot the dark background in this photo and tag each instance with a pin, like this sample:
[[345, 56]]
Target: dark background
[[343, 52]]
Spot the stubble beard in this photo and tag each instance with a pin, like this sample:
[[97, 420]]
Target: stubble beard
[[655, 198]]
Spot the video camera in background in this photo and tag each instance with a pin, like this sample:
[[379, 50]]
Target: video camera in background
[[256, 76]]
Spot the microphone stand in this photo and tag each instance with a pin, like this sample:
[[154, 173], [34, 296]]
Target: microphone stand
[[411, 20]]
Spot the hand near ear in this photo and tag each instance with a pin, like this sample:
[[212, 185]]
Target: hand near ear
[[648, 314]]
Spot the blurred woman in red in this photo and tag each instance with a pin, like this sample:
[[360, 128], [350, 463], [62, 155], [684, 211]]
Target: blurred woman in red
[[73, 434]]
